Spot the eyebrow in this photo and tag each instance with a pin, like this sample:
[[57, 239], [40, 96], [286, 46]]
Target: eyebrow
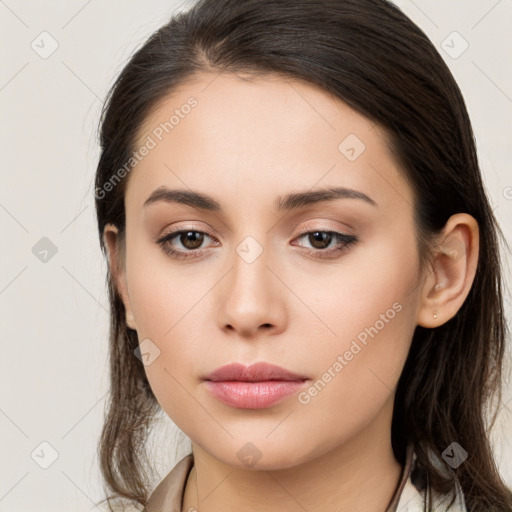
[[289, 202]]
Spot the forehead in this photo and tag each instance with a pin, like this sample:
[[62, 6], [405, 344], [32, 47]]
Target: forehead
[[255, 106], [263, 135]]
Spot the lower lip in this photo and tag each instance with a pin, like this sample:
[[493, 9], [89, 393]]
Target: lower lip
[[253, 395]]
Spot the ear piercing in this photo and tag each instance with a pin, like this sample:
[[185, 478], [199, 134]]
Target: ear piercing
[[435, 315]]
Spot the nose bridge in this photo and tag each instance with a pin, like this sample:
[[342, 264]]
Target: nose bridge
[[250, 273], [250, 297]]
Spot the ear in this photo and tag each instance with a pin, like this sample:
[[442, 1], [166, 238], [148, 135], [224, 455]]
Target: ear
[[453, 270], [117, 265]]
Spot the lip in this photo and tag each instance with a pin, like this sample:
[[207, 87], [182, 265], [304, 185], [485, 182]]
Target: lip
[[257, 372], [253, 387]]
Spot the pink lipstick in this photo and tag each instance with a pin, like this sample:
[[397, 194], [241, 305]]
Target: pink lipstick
[[253, 387]]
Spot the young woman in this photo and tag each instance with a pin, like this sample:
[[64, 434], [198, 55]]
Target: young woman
[[304, 269]]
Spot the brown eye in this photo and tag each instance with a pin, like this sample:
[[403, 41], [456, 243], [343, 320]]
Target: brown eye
[[191, 239], [320, 239], [326, 244], [185, 243]]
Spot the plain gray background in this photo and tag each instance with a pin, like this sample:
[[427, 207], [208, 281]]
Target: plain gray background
[[54, 320]]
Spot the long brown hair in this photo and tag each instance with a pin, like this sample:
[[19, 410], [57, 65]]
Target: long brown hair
[[371, 56]]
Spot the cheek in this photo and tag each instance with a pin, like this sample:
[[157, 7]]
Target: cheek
[[356, 377], [160, 296], [371, 308], [365, 289], [167, 307]]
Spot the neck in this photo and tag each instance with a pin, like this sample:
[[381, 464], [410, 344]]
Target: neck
[[358, 475]]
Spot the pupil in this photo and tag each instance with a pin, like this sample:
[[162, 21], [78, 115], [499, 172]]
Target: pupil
[[191, 239], [320, 238]]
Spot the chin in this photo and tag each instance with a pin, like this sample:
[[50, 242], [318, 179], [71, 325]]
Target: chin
[[261, 454]]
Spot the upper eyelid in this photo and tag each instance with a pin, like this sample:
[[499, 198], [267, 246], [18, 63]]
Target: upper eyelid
[[346, 230], [184, 230], [302, 231], [312, 229]]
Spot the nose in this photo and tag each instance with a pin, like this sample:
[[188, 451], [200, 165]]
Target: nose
[[252, 298]]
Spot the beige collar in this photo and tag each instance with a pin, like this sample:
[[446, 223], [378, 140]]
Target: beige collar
[[408, 497]]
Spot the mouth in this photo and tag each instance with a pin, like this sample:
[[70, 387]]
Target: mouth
[[258, 386]]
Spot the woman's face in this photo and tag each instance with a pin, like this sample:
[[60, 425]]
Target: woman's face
[[259, 277]]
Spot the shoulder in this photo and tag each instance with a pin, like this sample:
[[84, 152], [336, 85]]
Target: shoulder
[[168, 494], [414, 486]]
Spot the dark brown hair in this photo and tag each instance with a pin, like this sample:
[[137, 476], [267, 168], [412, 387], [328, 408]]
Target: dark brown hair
[[370, 55]]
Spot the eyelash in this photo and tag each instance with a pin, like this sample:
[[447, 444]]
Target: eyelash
[[346, 240]]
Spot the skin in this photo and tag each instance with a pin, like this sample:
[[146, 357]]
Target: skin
[[246, 143]]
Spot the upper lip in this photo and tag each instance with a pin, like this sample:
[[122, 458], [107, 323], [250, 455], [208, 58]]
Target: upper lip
[[257, 372]]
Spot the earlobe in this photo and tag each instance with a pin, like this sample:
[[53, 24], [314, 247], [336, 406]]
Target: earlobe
[[117, 270], [454, 263]]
